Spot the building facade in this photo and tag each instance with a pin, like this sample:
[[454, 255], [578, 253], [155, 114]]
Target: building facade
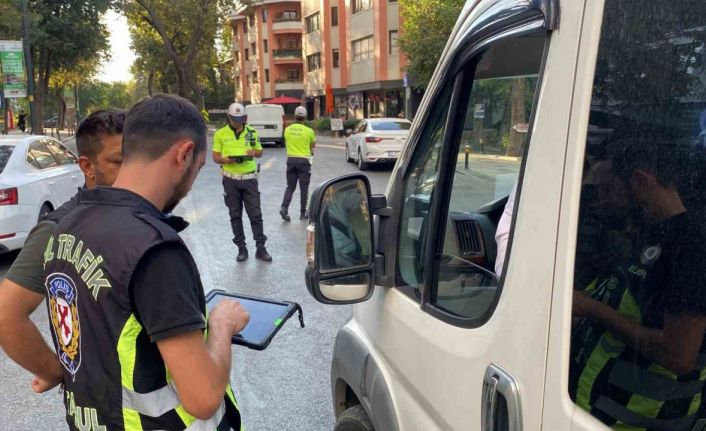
[[340, 57], [267, 50]]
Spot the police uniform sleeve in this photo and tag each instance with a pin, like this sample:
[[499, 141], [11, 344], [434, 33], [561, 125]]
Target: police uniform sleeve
[[165, 291], [28, 268], [686, 293]]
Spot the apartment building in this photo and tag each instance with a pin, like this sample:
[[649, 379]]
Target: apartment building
[[353, 65], [267, 50]]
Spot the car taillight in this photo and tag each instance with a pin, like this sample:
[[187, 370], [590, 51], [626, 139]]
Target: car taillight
[[372, 139], [8, 196]]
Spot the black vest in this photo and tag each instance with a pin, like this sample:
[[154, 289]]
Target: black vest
[[89, 263]]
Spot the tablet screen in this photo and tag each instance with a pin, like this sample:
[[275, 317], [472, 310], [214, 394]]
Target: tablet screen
[[265, 317]]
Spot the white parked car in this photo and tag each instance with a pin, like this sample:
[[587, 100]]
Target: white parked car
[[37, 175], [377, 140], [268, 120]]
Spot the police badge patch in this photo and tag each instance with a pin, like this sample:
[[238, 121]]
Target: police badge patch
[[63, 312], [651, 254]]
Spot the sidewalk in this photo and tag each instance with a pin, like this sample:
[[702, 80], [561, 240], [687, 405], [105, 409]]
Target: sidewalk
[[328, 140]]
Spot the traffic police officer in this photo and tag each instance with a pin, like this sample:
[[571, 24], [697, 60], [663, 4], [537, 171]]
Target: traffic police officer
[[235, 148], [300, 141], [125, 301]]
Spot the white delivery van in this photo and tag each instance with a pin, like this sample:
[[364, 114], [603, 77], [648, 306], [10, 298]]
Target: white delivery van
[[268, 120], [590, 110]]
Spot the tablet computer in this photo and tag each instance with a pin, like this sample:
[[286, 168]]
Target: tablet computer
[[266, 317]]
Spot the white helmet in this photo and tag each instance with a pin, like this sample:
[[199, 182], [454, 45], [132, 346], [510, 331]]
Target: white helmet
[[237, 111], [300, 112]]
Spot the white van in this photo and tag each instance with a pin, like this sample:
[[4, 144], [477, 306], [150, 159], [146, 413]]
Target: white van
[[591, 112], [268, 120]]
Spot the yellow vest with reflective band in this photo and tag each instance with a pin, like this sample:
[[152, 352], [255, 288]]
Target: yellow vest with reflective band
[[298, 139], [227, 144], [625, 392]]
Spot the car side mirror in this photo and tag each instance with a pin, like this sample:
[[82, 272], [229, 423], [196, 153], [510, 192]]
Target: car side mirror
[[340, 251]]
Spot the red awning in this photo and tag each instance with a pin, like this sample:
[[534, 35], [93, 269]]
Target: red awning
[[283, 100]]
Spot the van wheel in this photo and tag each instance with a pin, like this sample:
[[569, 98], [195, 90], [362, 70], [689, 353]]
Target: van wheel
[[361, 164], [354, 419], [349, 159]]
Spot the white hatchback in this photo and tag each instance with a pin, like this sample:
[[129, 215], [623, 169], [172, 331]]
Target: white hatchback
[[377, 140], [37, 175]]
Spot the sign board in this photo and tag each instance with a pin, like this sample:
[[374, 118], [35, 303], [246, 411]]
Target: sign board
[[13, 70], [479, 111], [521, 127], [336, 124]]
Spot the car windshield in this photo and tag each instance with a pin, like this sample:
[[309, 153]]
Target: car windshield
[[390, 125], [5, 153]]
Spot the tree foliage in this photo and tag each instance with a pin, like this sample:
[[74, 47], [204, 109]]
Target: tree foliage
[[427, 26], [175, 43]]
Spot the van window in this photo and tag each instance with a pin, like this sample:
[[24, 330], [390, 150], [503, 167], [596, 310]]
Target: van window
[[638, 360], [485, 168]]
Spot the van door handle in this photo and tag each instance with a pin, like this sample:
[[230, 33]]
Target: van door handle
[[499, 383]]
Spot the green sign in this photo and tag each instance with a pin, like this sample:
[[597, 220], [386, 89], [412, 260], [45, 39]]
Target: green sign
[[13, 72]]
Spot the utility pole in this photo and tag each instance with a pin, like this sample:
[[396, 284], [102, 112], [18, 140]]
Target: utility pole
[[34, 121]]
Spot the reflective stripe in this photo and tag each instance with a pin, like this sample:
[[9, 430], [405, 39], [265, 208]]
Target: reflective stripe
[[131, 420], [622, 414], [155, 403], [208, 424], [127, 350], [643, 382]]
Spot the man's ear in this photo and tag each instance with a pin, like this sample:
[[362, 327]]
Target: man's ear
[[88, 169], [185, 153], [643, 178]]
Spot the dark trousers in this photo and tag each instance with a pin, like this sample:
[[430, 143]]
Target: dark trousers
[[239, 193], [298, 169]]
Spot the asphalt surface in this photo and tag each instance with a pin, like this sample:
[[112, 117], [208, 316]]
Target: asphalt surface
[[285, 387]]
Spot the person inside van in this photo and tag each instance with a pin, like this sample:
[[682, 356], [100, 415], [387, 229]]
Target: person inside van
[[637, 357]]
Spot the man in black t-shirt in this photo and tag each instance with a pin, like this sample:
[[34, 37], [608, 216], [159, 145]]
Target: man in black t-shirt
[[125, 300], [638, 356]]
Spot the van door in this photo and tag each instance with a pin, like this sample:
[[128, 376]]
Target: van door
[[629, 322], [461, 348]]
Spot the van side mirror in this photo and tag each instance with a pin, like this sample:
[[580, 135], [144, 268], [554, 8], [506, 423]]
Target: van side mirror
[[340, 251]]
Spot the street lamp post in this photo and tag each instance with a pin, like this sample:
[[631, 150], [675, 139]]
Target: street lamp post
[[34, 121]]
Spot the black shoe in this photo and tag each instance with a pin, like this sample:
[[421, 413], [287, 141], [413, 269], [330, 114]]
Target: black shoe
[[304, 215], [262, 254], [285, 215], [242, 254]]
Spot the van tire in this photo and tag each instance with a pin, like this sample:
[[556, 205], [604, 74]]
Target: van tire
[[354, 419]]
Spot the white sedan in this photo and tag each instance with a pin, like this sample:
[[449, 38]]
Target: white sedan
[[37, 175], [377, 140]]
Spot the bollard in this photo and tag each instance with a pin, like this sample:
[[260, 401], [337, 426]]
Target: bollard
[[467, 151]]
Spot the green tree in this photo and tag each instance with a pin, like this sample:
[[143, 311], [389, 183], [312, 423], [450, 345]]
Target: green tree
[[427, 26]]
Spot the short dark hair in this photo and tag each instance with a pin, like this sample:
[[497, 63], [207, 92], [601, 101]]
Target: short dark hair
[[98, 125], [155, 124]]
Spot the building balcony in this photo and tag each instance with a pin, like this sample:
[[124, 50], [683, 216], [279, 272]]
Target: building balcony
[[287, 56], [286, 84], [287, 25]]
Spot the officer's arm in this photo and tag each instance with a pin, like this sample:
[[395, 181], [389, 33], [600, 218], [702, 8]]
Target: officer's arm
[[219, 159], [675, 347], [19, 336]]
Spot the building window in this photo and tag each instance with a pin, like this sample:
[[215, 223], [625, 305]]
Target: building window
[[254, 77], [335, 56], [247, 54], [313, 61], [293, 75], [264, 15], [392, 1], [361, 5], [312, 23], [362, 49], [393, 44], [251, 18], [245, 26], [236, 56], [267, 75], [253, 48], [287, 15], [247, 81], [266, 46], [292, 44], [334, 16]]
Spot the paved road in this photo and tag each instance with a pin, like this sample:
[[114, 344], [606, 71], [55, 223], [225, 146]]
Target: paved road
[[284, 387]]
